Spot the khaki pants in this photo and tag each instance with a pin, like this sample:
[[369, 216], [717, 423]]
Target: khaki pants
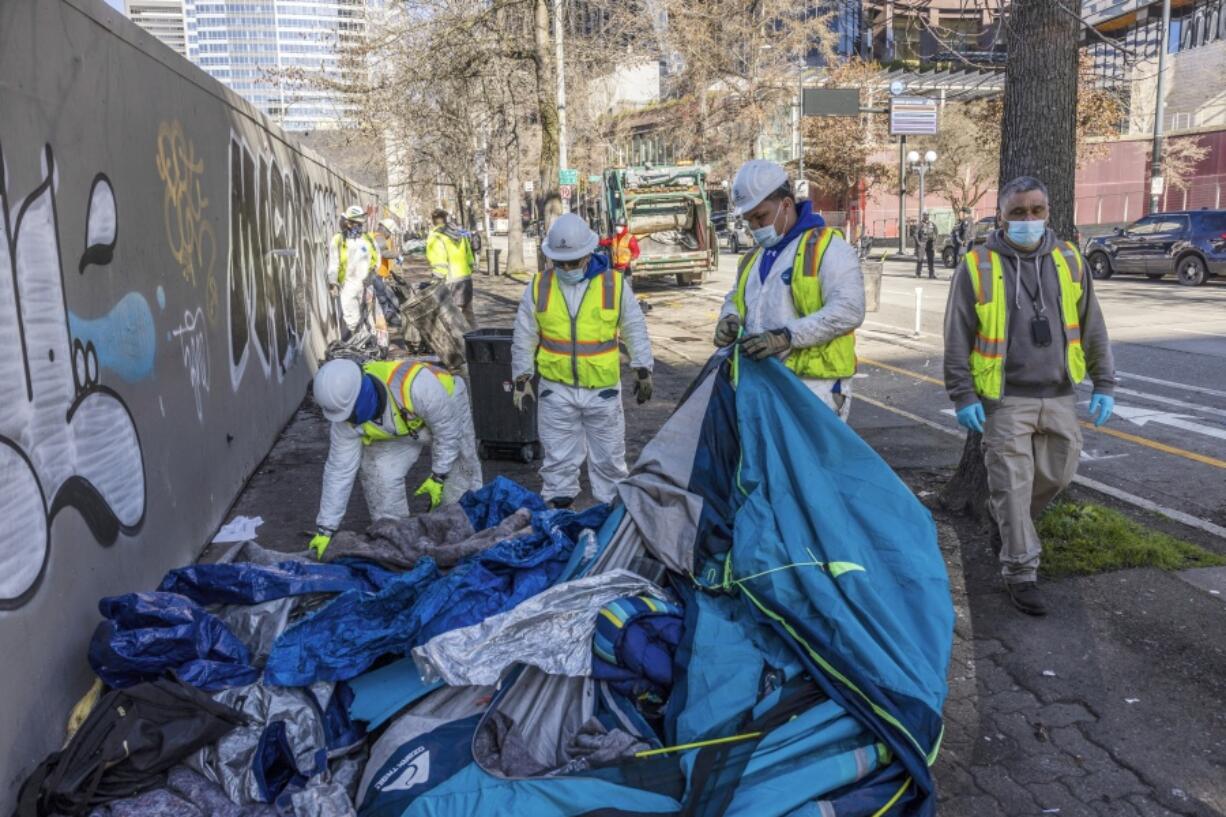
[[1031, 446]]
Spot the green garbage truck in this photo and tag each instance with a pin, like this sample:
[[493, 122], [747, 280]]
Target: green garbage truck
[[668, 210]]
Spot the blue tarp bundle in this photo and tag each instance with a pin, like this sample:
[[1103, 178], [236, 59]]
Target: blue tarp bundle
[[146, 634], [358, 627]]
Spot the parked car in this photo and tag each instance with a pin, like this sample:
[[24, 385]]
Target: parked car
[[1189, 243], [983, 227], [732, 231]]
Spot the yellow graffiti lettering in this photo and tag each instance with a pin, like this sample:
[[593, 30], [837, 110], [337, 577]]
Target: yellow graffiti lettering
[[188, 233]]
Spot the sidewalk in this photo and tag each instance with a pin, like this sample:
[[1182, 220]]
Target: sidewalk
[[1114, 705]]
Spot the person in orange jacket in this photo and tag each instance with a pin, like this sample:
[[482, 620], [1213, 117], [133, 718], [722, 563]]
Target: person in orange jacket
[[623, 247]]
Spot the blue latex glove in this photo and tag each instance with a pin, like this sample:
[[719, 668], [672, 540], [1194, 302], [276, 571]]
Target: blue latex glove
[[971, 417], [1101, 406]]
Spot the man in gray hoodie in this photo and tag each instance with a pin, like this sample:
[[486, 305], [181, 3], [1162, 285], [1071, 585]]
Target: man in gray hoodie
[[1022, 328]]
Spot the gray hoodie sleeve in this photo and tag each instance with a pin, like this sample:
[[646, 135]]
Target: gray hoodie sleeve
[[1099, 361], [961, 323]]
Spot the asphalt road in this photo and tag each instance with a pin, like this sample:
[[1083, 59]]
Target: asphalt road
[[1165, 446]]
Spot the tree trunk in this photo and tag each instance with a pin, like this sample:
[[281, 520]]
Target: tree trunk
[[1039, 126], [515, 208], [1038, 138], [546, 99]]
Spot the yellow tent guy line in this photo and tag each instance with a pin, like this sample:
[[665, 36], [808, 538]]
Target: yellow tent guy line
[[890, 804], [698, 744]]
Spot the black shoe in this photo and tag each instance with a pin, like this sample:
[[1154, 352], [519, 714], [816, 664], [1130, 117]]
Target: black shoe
[[932, 277], [559, 502], [1025, 597]]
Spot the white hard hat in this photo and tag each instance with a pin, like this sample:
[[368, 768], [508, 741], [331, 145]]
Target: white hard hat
[[355, 213], [569, 239], [756, 180], [337, 384]]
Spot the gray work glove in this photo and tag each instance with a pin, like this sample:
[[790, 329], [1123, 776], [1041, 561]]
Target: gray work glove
[[643, 386], [727, 330], [767, 344], [523, 391]]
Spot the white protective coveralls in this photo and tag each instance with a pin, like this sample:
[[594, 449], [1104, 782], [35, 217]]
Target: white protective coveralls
[[574, 422], [768, 305], [360, 264], [448, 430]]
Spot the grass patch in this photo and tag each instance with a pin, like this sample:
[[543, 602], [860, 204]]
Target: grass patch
[[1080, 538]]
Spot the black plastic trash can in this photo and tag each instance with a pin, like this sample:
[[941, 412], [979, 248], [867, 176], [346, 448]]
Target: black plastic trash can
[[501, 430]]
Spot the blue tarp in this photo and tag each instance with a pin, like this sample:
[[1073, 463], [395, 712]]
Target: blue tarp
[[247, 583], [356, 628], [496, 500], [147, 634]]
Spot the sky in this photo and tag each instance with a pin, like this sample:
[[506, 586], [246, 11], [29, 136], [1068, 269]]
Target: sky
[[116, 4]]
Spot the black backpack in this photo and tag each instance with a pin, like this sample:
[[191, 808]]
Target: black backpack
[[127, 744]]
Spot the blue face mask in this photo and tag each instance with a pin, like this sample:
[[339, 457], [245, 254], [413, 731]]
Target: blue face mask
[[367, 405], [572, 275], [1025, 233], [768, 236]]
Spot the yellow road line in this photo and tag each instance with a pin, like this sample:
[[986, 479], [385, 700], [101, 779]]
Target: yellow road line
[[1204, 459], [902, 371]]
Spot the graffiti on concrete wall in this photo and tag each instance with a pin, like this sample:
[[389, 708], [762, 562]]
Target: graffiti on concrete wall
[[280, 222], [193, 338], [184, 205], [67, 440]]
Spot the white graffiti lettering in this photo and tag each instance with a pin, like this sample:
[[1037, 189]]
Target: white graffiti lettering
[[194, 342]]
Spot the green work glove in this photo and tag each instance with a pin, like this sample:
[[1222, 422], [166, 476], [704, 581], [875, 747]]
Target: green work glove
[[643, 386], [319, 543], [523, 391], [433, 488], [767, 344], [727, 330]]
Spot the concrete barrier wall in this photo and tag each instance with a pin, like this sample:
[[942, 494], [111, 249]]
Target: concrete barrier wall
[[162, 306]]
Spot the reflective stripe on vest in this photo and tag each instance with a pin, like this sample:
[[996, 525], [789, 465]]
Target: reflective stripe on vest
[[826, 361], [398, 379], [343, 251], [579, 350], [987, 359]]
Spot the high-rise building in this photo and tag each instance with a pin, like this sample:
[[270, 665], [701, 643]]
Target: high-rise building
[[251, 45], [161, 18]]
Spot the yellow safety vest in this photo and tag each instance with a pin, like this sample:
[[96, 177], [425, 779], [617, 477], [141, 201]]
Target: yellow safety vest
[[398, 377], [342, 248], [988, 353], [826, 361], [621, 250], [448, 257], [582, 350]]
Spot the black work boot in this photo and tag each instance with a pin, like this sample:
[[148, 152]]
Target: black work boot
[[559, 502], [1025, 597]]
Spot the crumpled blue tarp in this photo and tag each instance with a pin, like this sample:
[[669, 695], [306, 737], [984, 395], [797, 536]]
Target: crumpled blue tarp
[[146, 634], [496, 500], [247, 583], [356, 628]]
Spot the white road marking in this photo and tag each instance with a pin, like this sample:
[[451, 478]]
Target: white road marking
[[1141, 416], [1093, 484], [1170, 401], [1171, 383], [1219, 335]]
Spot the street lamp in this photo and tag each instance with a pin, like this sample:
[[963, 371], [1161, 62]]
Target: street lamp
[[922, 168]]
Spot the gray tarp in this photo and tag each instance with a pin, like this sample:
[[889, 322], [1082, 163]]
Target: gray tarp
[[229, 762], [444, 534], [551, 630]]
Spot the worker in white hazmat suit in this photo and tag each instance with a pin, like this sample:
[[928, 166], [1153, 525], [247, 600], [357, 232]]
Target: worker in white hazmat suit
[[570, 321], [383, 413], [352, 261], [799, 296]]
